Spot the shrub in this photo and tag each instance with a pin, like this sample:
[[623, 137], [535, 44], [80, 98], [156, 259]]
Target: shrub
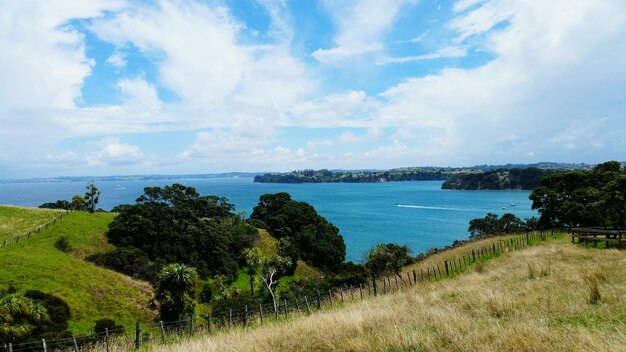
[[63, 244], [130, 261], [103, 324], [58, 311]]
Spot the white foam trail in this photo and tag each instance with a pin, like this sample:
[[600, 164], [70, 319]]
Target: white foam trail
[[434, 208]]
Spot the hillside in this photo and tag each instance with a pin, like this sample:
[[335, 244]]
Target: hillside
[[16, 221], [92, 292], [534, 299], [512, 179]]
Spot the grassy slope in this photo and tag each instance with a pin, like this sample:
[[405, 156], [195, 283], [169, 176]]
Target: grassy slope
[[505, 307], [17, 221], [92, 292]]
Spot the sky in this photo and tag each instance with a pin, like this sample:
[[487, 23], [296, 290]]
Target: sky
[[115, 87]]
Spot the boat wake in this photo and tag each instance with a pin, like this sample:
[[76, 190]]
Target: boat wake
[[434, 208]]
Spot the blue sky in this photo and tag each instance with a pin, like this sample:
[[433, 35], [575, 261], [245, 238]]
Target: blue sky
[[190, 86]]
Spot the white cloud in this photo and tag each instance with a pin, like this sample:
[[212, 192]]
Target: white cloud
[[209, 67], [553, 64], [318, 143], [447, 52], [350, 138], [362, 24], [43, 62], [117, 59], [139, 92], [343, 109], [97, 156]]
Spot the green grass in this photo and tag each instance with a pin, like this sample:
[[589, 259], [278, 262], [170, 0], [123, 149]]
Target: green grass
[[92, 292], [16, 221]]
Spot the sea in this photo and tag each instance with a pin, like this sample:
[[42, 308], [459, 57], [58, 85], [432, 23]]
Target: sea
[[415, 213]]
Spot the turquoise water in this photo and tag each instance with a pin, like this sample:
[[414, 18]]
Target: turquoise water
[[418, 214]]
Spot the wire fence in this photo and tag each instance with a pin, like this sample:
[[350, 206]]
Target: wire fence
[[38, 229], [286, 309]]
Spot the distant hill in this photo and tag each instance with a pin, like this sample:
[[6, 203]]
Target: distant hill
[[501, 179], [540, 165], [327, 176], [131, 177]]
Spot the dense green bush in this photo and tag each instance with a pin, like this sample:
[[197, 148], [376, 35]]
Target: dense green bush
[[63, 244], [130, 261], [103, 324], [174, 224], [583, 198], [316, 240]]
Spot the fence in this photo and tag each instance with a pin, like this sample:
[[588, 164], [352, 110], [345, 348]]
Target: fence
[[18, 238], [252, 316]]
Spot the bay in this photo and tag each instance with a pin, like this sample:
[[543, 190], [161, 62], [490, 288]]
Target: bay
[[418, 214]]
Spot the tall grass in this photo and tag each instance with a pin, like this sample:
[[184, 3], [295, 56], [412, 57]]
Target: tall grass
[[498, 309]]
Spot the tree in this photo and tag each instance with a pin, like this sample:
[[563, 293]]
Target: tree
[[78, 203], [175, 224], [92, 196], [252, 257], [388, 258], [272, 268], [19, 316], [316, 240], [491, 225], [483, 226], [582, 198], [175, 290], [59, 204]]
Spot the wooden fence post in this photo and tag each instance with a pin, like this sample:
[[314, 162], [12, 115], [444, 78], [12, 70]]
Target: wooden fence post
[[384, 286], [230, 318], [375, 288], [414, 276], [261, 312], [298, 305], [351, 294], [75, 344], [43, 342], [330, 297], [163, 331], [308, 308], [408, 277], [439, 270], [286, 309], [473, 256], [10, 347], [361, 290], [319, 300], [447, 272], [209, 322], [245, 317], [137, 335], [106, 338], [341, 291]]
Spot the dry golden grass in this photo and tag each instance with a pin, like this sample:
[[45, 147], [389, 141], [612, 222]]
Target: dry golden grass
[[498, 309]]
